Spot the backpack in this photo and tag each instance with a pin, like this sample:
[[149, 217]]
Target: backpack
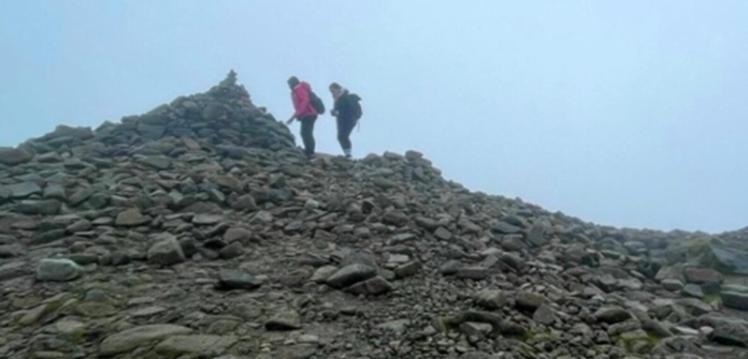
[[317, 103], [356, 109]]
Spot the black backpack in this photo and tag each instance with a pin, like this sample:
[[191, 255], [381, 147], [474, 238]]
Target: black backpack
[[356, 109], [317, 103]]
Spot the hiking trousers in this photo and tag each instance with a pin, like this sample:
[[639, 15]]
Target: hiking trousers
[[307, 134], [345, 127]]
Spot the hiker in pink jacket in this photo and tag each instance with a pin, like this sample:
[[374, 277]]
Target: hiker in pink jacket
[[306, 108]]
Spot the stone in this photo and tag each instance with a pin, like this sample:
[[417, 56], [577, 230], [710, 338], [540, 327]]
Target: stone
[[155, 162], [611, 314], [232, 250], [206, 219], [235, 279], [244, 203], [237, 234], [693, 290], [492, 299], [57, 270], [166, 251], [529, 301], [398, 326], [11, 250], [544, 315], [373, 286], [728, 333], [14, 156], [322, 273], [672, 285], [12, 270], [473, 272], [408, 269], [131, 218], [506, 228], [23, 190], [443, 234], [199, 345], [351, 274], [513, 243], [735, 297], [46, 207], [702, 275], [284, 320], [127, 340]]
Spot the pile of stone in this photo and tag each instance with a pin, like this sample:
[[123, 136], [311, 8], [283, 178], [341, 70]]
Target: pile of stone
[[199, 230]]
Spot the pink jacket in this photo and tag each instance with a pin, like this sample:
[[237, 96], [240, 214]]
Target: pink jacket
[[302, 101]]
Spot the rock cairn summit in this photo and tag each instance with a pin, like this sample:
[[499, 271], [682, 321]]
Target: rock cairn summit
[[199, 230]]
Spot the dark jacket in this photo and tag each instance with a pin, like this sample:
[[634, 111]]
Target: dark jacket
[[345, 106]]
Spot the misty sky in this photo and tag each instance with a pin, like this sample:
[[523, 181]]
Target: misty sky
[[628, 113]]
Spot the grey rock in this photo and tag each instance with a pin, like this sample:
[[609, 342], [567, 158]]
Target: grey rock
[[13, 270], [127, 340], [492, 299], [672, 284], [373, 286], [232, 250], [350, 275], [23, 190], [735, 296], [166, 251], [235, 234], [14, 156], [11, 250], [544, 315], [57, 270], [693, 290], [611, 314], [529, 301], [39, 207], [287, 319], [506, 228], [199, 345], [131, 218], [235, 279]]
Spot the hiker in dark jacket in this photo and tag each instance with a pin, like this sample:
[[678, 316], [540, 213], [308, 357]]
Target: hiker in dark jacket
[[304, 112], [347, 111]]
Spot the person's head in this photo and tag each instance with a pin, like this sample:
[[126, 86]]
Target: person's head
[[293, 81], [336, 89]]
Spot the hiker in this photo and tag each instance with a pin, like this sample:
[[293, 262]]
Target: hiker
[[347, 111], [306, 108]]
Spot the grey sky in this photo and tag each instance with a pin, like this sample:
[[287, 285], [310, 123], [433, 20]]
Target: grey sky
[[624, 113]]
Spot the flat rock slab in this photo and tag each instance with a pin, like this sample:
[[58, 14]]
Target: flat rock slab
[[23, 189], [284, 320], [203, 345], [350, 275], [132, 338], [235, 279], [131, 218]]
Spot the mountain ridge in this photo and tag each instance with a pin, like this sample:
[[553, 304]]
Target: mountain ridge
[[198, 229]]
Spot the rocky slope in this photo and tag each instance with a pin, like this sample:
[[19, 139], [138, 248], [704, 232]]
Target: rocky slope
[[198, 230]]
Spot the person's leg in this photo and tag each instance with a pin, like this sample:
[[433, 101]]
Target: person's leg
[[345, 127], [341, 134], [307, 134]]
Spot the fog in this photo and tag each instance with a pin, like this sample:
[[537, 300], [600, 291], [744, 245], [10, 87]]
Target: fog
[[622, 113]]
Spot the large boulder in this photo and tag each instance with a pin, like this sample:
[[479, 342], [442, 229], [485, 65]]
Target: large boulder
[[14, 156], [735, 296], [57, 270]]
